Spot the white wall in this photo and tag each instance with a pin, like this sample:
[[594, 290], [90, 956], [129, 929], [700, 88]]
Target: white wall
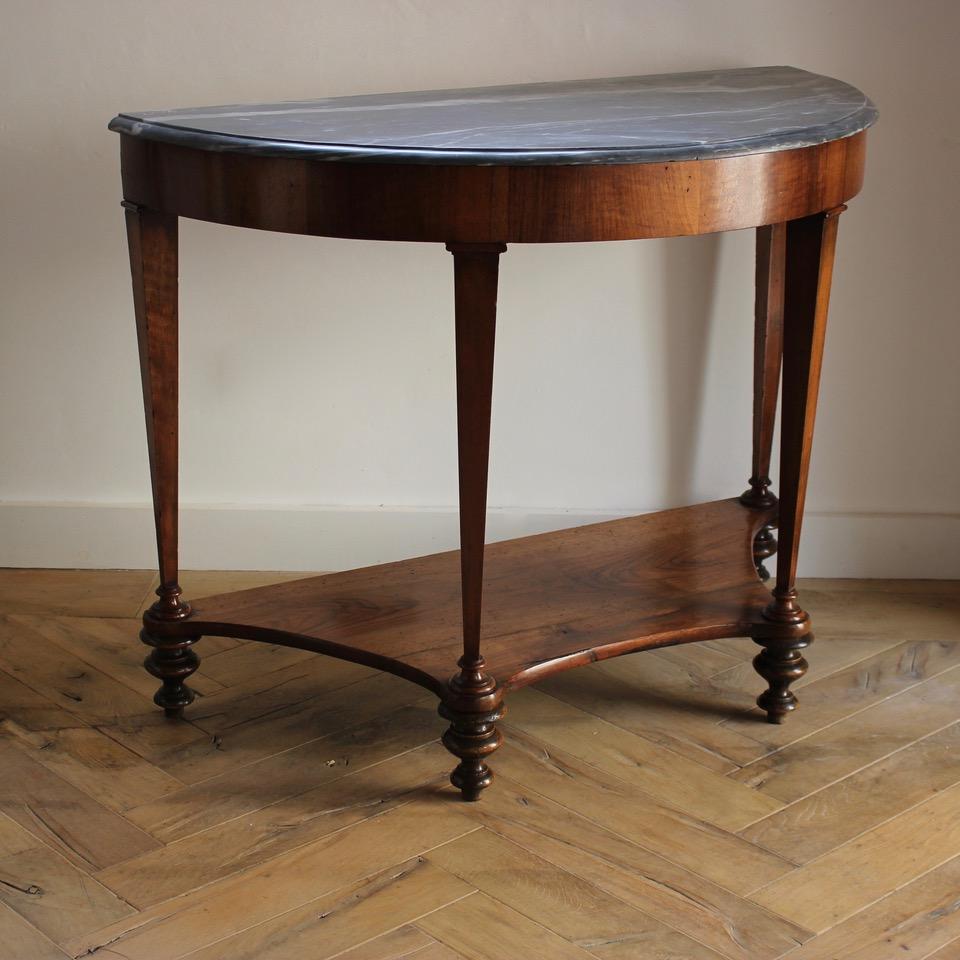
[[318, 418]]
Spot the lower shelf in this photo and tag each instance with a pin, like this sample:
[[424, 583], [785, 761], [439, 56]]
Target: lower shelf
[[550, 602]]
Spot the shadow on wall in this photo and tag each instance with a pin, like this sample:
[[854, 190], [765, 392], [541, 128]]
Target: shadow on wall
[[689, 273]]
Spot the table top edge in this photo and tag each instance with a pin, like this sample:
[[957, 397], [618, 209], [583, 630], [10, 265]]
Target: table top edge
[[265, 130], [126, 125]]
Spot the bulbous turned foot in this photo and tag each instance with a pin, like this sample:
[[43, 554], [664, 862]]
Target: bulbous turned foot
[[780, 663], [472, 737], [473, 706], [171, 661]]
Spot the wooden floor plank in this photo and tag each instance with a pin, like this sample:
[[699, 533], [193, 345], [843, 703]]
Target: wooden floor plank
[[23, 941], [803, 767], [436, 951], [816, 824], [710, 719], [925, 911], [653, 768], [30, 710], [949, 951], [299, 708], [403, 943], [829, 654], [923, 941], [831, 699], [49, 892], [221, 909], [700, 659], [744, 649], [925, 609], [484, 929], [563, 902], [867, 867], [64, 817], [237, 664], [85, 757], [111, 647], [679, 897], [153, 736], [60, 676], [329, 925], [261, 696], [681, 714], [719, 856], [77, 593], [287, 774], [246, 842]]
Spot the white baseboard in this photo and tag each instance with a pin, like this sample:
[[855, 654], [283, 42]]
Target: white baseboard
[[82, 535]]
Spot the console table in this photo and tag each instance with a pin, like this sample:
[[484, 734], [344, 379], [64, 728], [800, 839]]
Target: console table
[[771, 148]]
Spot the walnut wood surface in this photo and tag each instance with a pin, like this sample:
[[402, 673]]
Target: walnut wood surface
[[152, 240], [475, 309], [551, 601], [492, 204]]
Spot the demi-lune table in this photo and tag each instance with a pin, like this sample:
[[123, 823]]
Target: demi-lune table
[[776, 149]]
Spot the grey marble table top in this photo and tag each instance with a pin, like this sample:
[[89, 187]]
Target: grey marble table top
[[674, 116]]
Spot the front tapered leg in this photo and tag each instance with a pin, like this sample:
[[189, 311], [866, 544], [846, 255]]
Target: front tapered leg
[[809, 267], [152, 240], [473, 703]]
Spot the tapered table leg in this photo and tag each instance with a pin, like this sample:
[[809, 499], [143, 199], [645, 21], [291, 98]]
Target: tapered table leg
[[152, 239], [809, 268], [767, 353], [473, 703]]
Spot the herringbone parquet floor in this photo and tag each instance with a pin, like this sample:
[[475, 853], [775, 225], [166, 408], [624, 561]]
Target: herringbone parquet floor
[[641, 810]]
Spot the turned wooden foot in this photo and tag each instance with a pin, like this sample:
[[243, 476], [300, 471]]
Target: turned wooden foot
[[171, 661], [472, 737], [780, 663], [473, 707]]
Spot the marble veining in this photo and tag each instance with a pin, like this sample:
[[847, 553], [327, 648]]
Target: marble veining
[[678, 116]]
